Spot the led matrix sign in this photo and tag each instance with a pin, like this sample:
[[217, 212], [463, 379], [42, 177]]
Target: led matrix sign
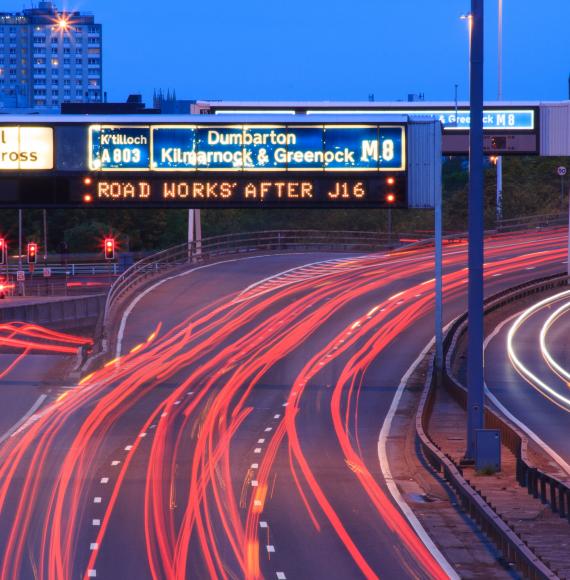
[[248, 148], [300, 190], [26, 148]]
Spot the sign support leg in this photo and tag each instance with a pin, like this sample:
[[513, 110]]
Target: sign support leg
[[475, 392], [499, 189], [190, 233], [20, 284], [438, 284], [198, 218]]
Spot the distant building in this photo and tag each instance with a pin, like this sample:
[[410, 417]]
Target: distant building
[[134, 105], [49, 57], [169, 105]]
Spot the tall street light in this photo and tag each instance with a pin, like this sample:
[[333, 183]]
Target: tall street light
[[475, 392], [499, 200]]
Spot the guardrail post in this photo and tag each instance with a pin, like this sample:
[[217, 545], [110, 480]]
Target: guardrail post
[[553, 499], [543, 490]]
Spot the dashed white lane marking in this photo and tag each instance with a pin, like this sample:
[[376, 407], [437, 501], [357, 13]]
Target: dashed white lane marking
[[177, 402], [254, 465], [115, 463], [257, 450], [281, 576], [190, 393], [165, 414], [254, 483], [142, 435], [268, 429], [531, 267], [128, 447], [104, 480], [262, 524], [96, 522], [261, 441], [93, 546], [92, 573], [257, 503], [276, 416], [496, 275], [270, 548], [285, 404], [96, 500]]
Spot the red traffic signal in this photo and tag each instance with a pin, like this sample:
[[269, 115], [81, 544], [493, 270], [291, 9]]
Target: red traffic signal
[[3, 251], [109, 249], [32, 252]]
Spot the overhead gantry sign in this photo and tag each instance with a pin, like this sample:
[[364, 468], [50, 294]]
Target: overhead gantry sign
[[274, 162]]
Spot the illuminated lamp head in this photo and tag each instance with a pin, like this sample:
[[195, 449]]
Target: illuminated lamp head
[[390, 198], [62, 24], [87, 198], [391, 181]]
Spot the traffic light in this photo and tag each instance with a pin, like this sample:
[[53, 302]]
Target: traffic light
[[3, 251], [109, 249], [32, 252]]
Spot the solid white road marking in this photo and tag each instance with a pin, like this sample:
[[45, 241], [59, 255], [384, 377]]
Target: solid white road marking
[[387, 473], [21, 421]]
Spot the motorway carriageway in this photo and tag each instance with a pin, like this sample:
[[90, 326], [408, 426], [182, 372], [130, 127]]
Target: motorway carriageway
[[237, 434], [527, 366]]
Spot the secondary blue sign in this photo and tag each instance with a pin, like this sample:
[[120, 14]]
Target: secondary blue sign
[[124, 148], [250, 148], [460, 120]]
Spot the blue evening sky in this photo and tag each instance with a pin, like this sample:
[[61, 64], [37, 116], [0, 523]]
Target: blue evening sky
[[324, 50]]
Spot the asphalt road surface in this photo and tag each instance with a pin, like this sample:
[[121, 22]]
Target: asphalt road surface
[[237, 435], [540, 398]]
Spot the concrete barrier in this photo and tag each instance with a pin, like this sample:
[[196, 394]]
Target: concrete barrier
[[60, 313]]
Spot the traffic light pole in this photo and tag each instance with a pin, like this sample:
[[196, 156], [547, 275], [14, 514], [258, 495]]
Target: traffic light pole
[[475, 392], [20, 284]]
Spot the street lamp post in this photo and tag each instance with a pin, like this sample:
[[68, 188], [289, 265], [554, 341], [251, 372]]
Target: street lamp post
[[499, 199], [475, 392]]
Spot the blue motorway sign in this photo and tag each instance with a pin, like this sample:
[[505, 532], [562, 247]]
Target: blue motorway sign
[[249, 148], [460, 119]]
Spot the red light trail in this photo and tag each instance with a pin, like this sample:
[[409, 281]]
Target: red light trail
[[221, 354]]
